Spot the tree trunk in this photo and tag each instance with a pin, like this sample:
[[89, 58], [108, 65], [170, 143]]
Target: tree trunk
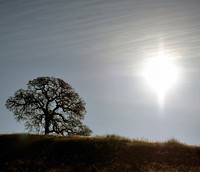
[[47, 123]]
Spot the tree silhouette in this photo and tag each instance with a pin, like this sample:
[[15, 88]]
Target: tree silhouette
[[49, 105]]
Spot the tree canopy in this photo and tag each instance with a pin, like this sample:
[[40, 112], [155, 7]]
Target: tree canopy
[[49, 105]]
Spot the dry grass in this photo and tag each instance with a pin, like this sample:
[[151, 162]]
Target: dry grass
[[23, 152]]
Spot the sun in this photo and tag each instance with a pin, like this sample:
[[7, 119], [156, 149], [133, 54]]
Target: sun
[[161, 74]]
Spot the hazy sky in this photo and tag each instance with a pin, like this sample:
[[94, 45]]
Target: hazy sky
[[99, 47]]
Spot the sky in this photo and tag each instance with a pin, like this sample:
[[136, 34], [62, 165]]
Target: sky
[[100, 48]]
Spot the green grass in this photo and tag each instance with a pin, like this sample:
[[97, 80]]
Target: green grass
[[24, 152]]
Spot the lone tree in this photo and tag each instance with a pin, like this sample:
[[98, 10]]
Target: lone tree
[[49, 105]]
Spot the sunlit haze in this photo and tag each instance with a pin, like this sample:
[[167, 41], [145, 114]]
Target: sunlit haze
[[136, 63]]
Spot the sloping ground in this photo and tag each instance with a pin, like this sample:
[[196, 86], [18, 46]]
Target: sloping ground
[[110, 153]]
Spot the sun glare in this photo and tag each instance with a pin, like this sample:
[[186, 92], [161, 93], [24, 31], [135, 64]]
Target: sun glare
[[161, 74]]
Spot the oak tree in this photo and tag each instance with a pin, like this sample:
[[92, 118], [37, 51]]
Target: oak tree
[[49, 105]]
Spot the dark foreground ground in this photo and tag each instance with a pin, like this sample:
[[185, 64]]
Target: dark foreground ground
[[22, 152]]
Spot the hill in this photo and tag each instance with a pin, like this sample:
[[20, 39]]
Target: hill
[[24, 152]]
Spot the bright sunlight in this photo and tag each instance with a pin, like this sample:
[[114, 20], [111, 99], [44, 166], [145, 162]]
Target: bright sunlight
[[161, 74]]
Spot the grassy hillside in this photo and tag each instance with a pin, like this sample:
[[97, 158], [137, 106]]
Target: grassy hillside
[[110, 153]]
